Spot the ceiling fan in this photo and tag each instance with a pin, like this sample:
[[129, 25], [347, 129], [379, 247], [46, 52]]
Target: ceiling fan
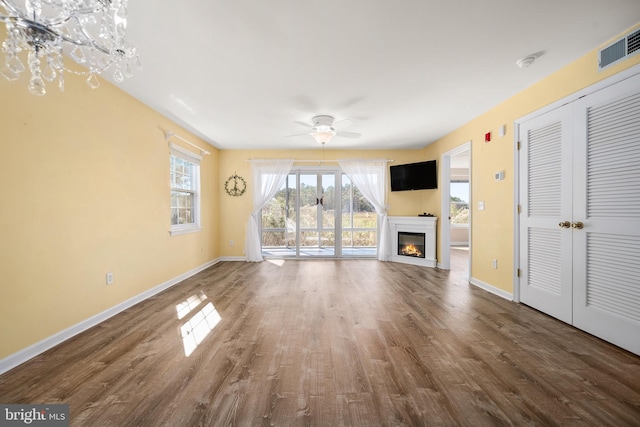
[[323, 128]]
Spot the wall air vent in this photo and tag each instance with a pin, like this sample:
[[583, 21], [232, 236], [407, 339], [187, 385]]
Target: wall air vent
[[619, 49], [633, 42]]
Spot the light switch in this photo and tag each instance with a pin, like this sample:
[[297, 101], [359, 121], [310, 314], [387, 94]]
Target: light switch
[[481, 205]]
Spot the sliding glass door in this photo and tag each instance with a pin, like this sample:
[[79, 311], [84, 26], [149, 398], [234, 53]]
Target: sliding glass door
[[316, 213], [305, 216], [300, 220]]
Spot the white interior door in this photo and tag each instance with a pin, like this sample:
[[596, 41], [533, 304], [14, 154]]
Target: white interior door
[[580, 219], [606, 251], [546, 199]]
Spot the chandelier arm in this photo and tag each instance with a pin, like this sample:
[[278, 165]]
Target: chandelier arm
[[88, 42], [27, 23], [85, 43]]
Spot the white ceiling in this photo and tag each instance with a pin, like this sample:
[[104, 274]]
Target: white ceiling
[[238, 73]]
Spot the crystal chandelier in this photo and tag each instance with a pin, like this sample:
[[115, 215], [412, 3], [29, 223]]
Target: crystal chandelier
[[92, 32]]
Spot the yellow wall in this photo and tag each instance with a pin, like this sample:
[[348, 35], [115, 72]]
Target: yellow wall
[[85, 192], [493, 229]]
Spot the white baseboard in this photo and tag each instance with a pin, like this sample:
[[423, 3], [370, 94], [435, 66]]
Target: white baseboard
[[233, 258], [32, 351], [490, 288]]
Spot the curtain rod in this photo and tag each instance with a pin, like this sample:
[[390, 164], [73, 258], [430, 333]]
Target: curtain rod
[[168, 135]]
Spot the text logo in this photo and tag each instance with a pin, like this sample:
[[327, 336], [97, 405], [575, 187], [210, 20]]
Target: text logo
[[34, 415]]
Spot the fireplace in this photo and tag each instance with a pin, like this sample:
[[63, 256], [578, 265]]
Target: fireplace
[[411, 244], [413, 240]]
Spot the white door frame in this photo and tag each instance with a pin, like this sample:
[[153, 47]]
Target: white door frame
[[445, 226], [318, 171]]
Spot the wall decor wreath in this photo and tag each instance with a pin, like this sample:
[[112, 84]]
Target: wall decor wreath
[[235, 185]]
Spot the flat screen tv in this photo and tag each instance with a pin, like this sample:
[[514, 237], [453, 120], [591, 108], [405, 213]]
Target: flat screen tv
[[414, 176]]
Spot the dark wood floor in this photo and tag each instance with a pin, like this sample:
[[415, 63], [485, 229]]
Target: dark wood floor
[[332, 343]]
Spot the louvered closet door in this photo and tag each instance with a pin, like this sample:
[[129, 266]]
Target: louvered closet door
[[606, 252], [545, 192]]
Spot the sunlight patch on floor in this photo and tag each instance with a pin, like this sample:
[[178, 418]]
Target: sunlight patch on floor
[[198, 327], [185, 307]]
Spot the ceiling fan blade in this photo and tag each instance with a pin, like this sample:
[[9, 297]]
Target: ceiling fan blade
[[342, 124], [348, 134], [297, 134], [307, 125]]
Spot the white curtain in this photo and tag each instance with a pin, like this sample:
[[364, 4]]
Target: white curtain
[[370, 176], [267, 176]]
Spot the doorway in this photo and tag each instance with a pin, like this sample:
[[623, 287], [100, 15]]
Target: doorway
[[455, 176]]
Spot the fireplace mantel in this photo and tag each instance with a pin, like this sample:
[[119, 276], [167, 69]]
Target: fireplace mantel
[[414, 224]]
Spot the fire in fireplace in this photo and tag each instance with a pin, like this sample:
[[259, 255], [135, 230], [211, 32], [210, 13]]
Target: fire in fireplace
[[411, 244]]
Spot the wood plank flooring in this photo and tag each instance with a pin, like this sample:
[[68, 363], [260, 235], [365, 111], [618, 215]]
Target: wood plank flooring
[[332, 343]]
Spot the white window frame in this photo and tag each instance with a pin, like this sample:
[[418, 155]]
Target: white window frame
[[194, 159]]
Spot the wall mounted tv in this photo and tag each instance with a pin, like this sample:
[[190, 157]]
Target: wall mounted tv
[[414, 176]]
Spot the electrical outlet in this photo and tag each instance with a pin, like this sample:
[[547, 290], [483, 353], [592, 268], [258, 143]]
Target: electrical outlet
[[109, 278], [494, 263]]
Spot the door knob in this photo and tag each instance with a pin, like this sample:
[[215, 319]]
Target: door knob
[[577, 225], [565, 224]]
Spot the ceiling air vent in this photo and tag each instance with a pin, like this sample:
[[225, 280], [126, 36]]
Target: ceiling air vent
[[620, 49]]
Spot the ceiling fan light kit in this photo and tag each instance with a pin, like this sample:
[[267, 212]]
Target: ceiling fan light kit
[[322, 136]]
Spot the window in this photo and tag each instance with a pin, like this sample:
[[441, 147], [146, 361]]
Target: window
[[279, 217], [359, 220], [185, 190], [459, 203]]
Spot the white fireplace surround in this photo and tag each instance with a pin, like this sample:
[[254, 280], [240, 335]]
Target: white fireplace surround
[[414, 224]]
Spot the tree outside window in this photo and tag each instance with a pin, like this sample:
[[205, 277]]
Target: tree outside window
[[459, 203]]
